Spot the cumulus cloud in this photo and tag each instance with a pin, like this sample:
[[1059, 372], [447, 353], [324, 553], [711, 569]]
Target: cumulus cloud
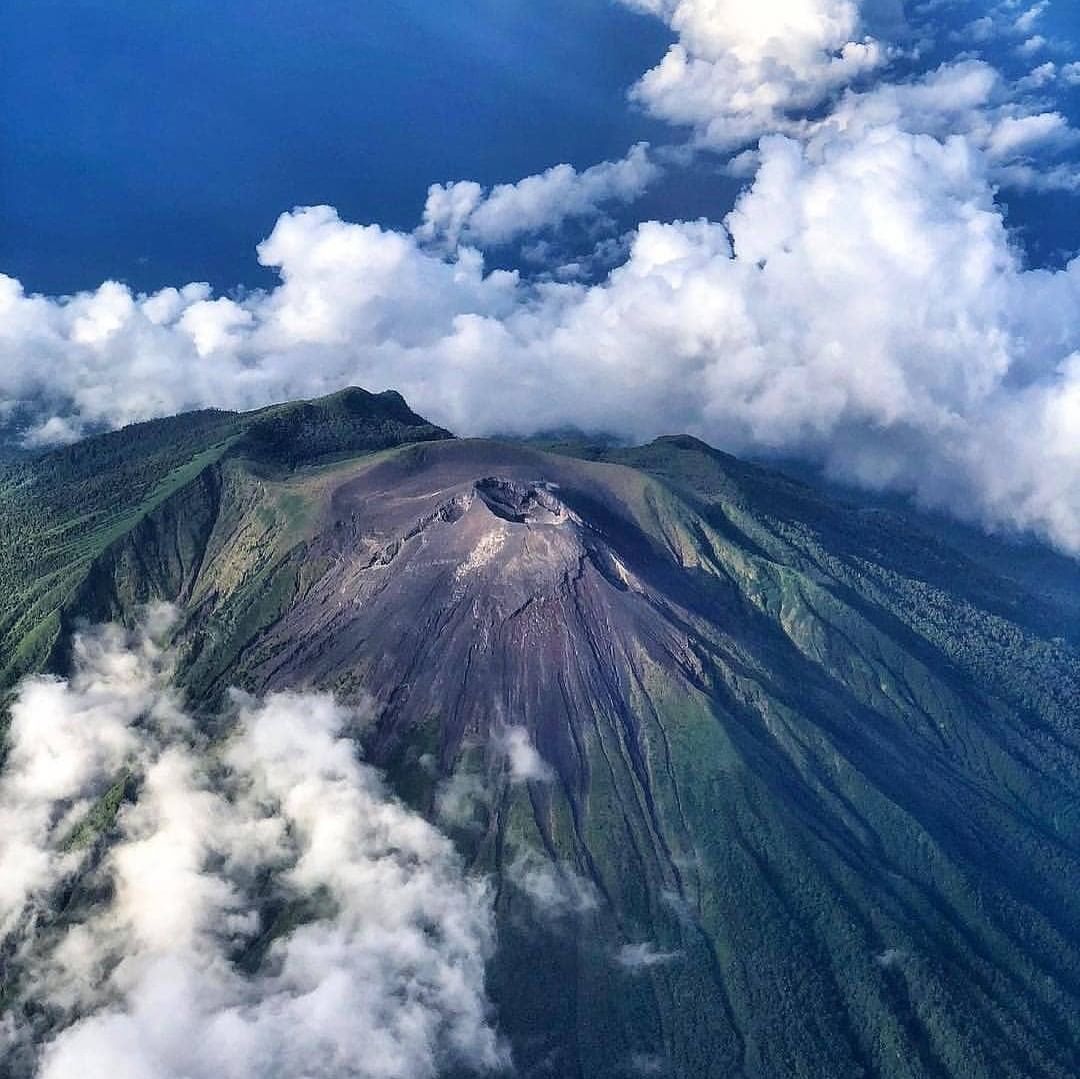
[[554, 889], [978, 30], [647, 1064], [460, 797], [1026, 20], [891, 957], [1004, 21], [967, 99], [68, 741], [863, 305], [1032, 45], [739, 67], [265, 907], [464, 212]]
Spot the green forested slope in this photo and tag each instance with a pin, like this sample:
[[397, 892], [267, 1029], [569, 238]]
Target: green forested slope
[[62, 510]]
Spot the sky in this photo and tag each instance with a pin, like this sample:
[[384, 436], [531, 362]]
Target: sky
[[838, 230], [161, 141]]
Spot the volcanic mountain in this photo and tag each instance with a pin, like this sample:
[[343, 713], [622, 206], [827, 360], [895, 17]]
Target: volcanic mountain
[[770, 781]]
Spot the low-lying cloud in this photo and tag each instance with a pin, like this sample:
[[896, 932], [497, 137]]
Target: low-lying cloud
[[264, 908], [554, 889], [525, 763], [637, 958]]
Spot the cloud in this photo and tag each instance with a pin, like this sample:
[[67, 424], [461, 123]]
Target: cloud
[[463, 212], [966, 99], [554, 889], [460, 797], [1025, 22], [891, 957], [981, 29], [647, 1064], [526, 764], [863, 306], [1032, 45], [265, 907], [1039, 77], [68, 742], [739, 68], [55, 431], [635, 958], [1002, 23], [1014, 135], [1024, 176]]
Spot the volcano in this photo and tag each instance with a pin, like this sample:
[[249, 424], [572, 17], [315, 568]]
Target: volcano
[[771, 781]]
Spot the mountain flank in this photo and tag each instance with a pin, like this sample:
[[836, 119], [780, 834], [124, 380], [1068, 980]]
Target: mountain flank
[[769, 783]]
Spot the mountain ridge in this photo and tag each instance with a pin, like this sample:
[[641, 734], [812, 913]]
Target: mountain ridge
[[63, 508]]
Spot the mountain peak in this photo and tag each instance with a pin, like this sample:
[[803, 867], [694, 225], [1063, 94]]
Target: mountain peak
[[346, 422], [350, 420]]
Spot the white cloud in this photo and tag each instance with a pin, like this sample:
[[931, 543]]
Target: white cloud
[[463, 212], [1001, 23], [891, 957], [863, 306], [1035, 43], [1024, 176], [1025, 22], [526, 764], [981, 29], [384, 975], [636, 958], [1013, 135], [740, 67], [554, 889], [967, 98], [647, 1064], [68, 742], [459, 797], [55, 431], [1039, 77]]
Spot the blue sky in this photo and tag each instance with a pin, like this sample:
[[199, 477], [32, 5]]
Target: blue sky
[[158, 142]]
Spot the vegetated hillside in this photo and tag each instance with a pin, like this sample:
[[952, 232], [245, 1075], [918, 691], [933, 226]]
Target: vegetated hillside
[[770, 784], [62, 510]]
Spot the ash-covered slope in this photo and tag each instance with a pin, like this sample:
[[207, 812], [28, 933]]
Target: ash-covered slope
[[770, 785]]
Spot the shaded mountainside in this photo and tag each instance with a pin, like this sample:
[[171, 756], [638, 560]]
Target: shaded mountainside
[[770, 784]]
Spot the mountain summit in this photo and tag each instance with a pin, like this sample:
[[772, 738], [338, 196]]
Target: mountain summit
[[768, 783]]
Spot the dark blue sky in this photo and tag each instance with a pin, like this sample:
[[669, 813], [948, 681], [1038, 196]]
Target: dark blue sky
[[157, 142]]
